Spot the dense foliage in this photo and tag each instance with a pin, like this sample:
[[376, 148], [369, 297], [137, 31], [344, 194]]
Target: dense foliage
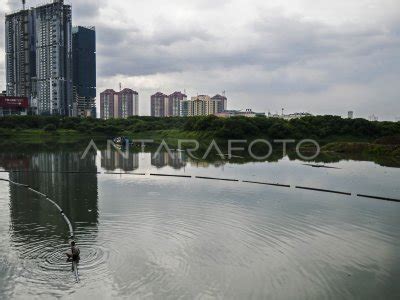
[[237, 127], [307, 127]]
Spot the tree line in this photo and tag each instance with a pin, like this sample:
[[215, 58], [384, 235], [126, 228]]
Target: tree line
[[236, 127]]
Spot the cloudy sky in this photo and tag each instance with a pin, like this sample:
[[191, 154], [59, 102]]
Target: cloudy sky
[[323, 57]]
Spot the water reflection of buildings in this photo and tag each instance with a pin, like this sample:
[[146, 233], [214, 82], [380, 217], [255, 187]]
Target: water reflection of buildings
[[206, 164], [64, 177], [115, 160], [14, 161], [176, 160]]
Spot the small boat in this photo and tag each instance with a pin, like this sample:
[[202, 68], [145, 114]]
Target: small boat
[[121, 141]]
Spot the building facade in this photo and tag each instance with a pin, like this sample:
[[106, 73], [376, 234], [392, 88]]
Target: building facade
[[174, 104], [185, 108], [121, 104], [159, 105], [54, 58], [200, 106], [20, 53], [128, 103], [39, 57], [219, 104], [84, 71], [203, 105], [177, 104], [163, 105], [107, 108], [196, 106]]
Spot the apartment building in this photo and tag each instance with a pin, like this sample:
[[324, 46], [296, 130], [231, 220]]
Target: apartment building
[[121, 104]]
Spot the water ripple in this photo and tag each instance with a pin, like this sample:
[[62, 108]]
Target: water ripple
[[160, 239]]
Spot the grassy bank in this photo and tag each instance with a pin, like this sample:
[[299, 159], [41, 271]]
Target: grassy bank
[[40, 136], [388, 146], [333, 133]]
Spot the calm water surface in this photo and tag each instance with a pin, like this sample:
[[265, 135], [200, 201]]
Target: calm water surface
[[167, 238]]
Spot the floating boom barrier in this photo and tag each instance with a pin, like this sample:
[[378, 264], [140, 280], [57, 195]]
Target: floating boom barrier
[[322, 190], [214, 178], [378, 198], [170, 175], [315, 189], [268, 184]]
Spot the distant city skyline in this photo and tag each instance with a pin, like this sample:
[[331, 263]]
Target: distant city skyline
[[177, 104], [323, 58]]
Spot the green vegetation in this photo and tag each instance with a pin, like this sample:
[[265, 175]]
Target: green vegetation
[[345, 135], [363, 148], [50, 128], [324, 128]]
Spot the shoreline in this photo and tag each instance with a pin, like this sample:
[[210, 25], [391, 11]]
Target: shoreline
[[335, 145]]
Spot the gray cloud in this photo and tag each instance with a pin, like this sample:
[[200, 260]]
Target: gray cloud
[[272, 45], [266, 55], [87, 9]]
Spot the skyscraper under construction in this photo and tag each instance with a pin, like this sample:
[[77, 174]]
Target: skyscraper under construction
[[39, 57], [20, 53]]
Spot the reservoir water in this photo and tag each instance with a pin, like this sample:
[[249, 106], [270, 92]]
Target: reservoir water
[[145, 236]]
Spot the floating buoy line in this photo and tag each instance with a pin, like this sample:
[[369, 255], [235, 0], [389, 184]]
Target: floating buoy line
[[315, 189]]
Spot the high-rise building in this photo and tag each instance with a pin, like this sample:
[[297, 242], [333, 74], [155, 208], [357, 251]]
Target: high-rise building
[[159, 105], [186, 108], [54, 58], [20, 53], [350, 115], [128, 103], [84, 71], [196, 106], [174, 104], [166, 106], [177, 104], [219, 104], [39, 57], [108, 101], [200, 106], [121, 104]]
